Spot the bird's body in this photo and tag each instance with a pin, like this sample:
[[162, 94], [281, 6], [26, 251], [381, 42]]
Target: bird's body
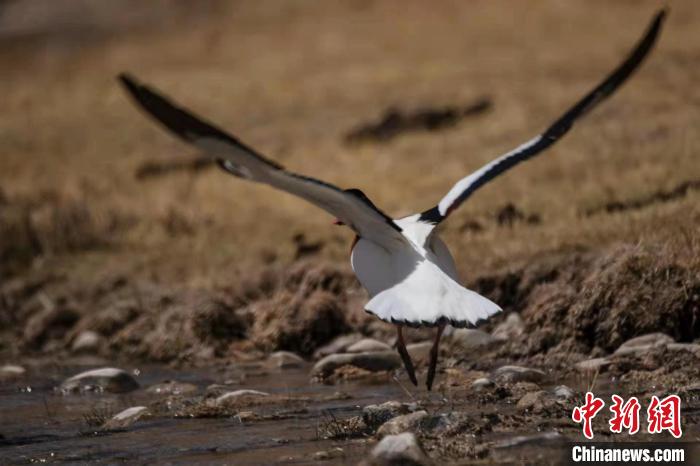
[[416, 283], [408, 272]]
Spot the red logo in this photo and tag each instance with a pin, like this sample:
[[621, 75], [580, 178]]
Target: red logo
[[661, 415], [665, 415], [587, 412], [624, 415]]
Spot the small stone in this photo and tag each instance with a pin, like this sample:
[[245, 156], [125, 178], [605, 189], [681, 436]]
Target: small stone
[[246, 416], [107, 379], [367, 345], [482, 384], [467, 339], [512, 327], [690, 347], [403, 423], [643, 343], [11, 371], [376, 415], [518, 374], [374, 362], [125, 418], [420, 351], [237, 395], [87, 341], [285, 360], [536, 402], [337, 345], [400, 449], [538, 439], [562, 392], [172, 387], [593, 365]]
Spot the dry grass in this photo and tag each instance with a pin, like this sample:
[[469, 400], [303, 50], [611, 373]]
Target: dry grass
[[291, 78]]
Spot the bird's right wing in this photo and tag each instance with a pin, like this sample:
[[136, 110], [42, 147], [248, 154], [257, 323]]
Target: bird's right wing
[[349, 206], [467, 185]]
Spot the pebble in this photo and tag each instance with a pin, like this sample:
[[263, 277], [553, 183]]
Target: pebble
[[366, 345], [562, 392], [11, 371], [537, 401], [108, 379], [691, 347], [125, 418], [87, 341], [482, 384], [539, 439], [593, 365], [285, 360], [373, 361], [420, 351], [518, 374], [376, 415], [238, 394], [471, 339], [512, 327], [172, 387], [337, 345], [403, 423], [400, 449], [643, 343]]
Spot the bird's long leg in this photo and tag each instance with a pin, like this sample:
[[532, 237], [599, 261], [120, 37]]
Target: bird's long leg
[[433, 357], [403, 352]]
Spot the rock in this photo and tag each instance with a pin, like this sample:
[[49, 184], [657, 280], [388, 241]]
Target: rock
[[285, 360], [420, 351], [246, 416], [403, 423], [482, 384], [374, 362], [172, 387], [690, 347], [238, 395], [376, 415], [467, 339], [512, 327], [337, 345], [336, 452], [11, 371], [643, 343], [107, 379], [518, 374], [125, 418], [367, 345], [401, 449], [593, 365], [87, 342], [536, 402], [562, 392], [552, 437]]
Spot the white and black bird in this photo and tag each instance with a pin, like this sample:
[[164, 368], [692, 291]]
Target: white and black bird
[[407, 270]]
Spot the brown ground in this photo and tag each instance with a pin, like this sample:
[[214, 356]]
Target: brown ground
[[593, 243]]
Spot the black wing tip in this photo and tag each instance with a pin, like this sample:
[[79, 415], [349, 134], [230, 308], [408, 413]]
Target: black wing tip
[[130, 83]]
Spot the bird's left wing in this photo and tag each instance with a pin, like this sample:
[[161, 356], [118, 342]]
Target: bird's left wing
[[349, 206], [466, 186]]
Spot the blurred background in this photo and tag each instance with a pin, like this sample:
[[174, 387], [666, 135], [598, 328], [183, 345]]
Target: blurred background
[[397, 98], [120, 246]]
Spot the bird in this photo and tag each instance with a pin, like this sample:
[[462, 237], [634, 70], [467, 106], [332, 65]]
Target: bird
[[407, 270]]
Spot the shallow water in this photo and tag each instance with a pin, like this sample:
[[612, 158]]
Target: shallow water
[[41, 425]]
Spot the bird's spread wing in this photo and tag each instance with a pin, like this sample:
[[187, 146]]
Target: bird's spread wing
[[466, 186], [349, 206]]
